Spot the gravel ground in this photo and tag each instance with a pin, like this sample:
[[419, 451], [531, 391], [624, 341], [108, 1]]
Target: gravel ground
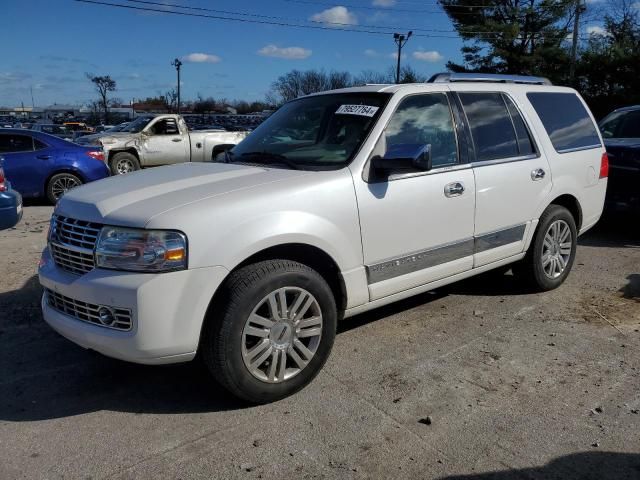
[[478, 380]]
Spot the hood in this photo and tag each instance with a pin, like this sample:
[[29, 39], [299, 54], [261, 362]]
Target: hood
[[135, 198]]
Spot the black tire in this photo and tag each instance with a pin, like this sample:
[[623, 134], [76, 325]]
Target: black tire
[[530, 269], [222, 339], [119, 160], [56, 184]]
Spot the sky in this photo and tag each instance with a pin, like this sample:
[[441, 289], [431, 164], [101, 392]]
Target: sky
[[48, 46]]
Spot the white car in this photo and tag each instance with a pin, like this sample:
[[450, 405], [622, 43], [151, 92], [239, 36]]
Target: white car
[[339, 203]]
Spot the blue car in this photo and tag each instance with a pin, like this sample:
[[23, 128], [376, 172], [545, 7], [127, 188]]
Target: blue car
[[41, 165], [10, 203]]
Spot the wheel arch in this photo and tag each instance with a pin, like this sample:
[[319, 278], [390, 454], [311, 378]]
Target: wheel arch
[[311, 256], [572, 204], [131, 150]]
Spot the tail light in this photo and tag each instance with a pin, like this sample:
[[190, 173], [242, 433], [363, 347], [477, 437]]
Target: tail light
[[604, 166], [3, 181], [97, 154]]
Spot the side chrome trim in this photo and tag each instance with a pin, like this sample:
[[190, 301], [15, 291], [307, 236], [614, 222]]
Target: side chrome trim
[[419, 260], [498, 161], [432, 257], [499, 238], [579, 149]]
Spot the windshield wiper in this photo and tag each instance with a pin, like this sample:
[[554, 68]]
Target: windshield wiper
[[270, 158]]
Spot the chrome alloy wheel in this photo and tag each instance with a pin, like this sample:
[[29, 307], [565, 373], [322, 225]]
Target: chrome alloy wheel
[[556, 249], [124, 166], [282, 334], [63, 184]]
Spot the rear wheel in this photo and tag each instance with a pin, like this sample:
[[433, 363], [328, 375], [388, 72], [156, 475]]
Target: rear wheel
[[274, 332], [60, 184], [124, 162], [552, 251]]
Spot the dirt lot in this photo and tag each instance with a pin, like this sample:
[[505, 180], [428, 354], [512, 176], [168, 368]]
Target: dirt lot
[[525, 386]]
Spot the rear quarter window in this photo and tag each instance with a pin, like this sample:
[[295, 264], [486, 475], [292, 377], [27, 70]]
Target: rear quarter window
[[566, 120]]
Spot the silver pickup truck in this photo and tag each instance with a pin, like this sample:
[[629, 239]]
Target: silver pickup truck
[[150, 141]]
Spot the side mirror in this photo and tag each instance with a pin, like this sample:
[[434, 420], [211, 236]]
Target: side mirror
[[404, 157]]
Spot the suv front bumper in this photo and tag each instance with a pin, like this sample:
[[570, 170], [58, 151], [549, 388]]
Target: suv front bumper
[[167, 310]]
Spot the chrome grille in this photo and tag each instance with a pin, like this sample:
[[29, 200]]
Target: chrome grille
[[71, 260], [72, 242], [87, 312], [74, 233]]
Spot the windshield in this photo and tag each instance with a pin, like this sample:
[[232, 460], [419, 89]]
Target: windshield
[[323, 131], [624, 124], [137, 125]]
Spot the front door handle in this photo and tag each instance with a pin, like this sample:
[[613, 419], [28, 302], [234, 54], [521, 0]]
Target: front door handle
[[537, 174], [43, 157], [176, 139], [453, 189]]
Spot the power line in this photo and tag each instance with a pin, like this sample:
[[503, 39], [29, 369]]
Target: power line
[[413, 10], [480, 35], [272, 17]]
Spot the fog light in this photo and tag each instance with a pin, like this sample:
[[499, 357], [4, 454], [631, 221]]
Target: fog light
[[106, 316]]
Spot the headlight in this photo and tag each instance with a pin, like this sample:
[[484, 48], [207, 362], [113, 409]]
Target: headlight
[[141, 250]]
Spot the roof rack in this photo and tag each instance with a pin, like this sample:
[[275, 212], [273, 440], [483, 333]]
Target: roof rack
[[488, 77]]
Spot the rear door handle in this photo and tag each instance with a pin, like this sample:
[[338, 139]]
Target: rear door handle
[[176, 139], [44, 157], [537, 174], [453, 189]]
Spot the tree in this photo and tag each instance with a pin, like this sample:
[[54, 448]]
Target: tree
[[171, 100], [103, 85], [297, 83], [513, 36], [607, 67]]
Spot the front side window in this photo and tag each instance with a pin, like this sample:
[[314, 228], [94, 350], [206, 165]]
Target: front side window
[[320, 131], [492, 130], [15, 143], [566, 120], [137, 125], [621, 125], [422, 120]]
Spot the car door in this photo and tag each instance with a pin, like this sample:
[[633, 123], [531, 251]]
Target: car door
[[22, 164], [417, 226], [512, 178], [163, 143]]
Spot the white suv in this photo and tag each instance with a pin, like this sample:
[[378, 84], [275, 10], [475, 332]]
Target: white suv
[[339, 203]]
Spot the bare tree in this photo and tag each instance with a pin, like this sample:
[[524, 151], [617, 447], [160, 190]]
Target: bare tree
[[296, 83], [171, 99], [103, 85]]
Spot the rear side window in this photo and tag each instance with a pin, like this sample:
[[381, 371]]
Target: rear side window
[[491, 126], [566, 120], [15, 143]]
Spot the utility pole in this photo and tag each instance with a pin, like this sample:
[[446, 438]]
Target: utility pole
[[574, 42], [177, 63], [400, 40]]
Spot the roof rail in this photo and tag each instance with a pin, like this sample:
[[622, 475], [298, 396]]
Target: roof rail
[[488, 77]]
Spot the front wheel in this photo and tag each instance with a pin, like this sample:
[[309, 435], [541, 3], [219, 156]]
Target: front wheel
[[124, 162], [273, 334], [552, 251]]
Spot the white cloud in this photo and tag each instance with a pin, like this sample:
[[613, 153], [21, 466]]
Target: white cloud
[[596, 30], [201, 58], [370, 53], [394, 55], [335, 17], [290, 53], [635, 6], [430, 56], [383, 3]]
